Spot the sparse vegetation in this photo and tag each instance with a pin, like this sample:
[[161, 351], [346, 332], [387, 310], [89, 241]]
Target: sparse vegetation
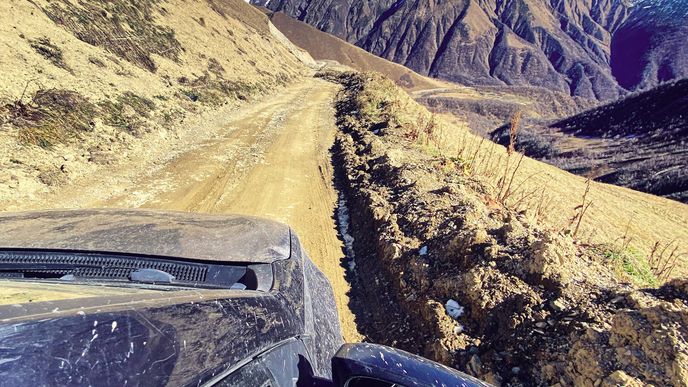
[[636, 142], [631, 264], [50, 51], [123, 59], [664, 258], [125, 28], [579, 212], [51, 117], [536, 298], [215, 67], [127, 112], [215, 91], [382, 104], [96, 61]]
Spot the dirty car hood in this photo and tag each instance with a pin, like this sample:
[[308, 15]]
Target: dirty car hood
[[135, 336], [227, 238]]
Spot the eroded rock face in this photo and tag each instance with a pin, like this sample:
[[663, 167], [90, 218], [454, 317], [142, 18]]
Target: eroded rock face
[[646, 339], [593, 49]]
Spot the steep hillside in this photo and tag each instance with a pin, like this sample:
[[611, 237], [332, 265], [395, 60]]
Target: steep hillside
[[564, 45], [488, 107], [649, 47], [86, 84], [639, 142]]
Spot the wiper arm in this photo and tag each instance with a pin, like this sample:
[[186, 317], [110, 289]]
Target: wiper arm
[[151, 276]]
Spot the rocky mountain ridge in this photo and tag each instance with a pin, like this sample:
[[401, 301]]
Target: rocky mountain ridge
[[595, 49]]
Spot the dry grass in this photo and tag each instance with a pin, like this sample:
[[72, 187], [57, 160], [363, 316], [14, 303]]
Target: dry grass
[[49, 51], [546, 194], [540, 191], [126, 28], [122, 54], [579, 212], [51, 117], [127, 112], [664, 258], [216, 90]]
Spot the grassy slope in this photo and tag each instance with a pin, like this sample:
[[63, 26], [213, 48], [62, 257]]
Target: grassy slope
[[537, 306], [619, 217], [211, 55]]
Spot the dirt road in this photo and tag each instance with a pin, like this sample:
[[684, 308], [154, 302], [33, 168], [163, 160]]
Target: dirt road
[[270, 159]]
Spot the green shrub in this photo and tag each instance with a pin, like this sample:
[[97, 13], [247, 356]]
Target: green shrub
[[631, 264]]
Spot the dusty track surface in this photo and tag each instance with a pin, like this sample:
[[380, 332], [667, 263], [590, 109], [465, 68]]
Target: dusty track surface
[[270, 159]]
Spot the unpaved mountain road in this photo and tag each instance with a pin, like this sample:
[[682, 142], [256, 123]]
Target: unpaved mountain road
[[269, 158]]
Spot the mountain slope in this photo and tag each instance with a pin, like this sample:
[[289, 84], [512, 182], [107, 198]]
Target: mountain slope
[[483, 107], [323, 46], [90, 84], [639, 142], [650, 46], [564, 45]]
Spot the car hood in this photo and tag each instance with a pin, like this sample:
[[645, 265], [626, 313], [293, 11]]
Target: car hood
[[70, 334], [227, 238], [23, 293]]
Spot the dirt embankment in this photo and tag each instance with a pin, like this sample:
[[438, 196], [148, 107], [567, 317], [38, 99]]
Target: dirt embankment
[[456, 276]]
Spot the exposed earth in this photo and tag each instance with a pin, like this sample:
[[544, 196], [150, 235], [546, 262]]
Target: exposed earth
[[477, 285]]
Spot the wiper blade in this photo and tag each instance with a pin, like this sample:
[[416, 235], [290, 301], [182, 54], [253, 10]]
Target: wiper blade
[[101, 267], [14, 266]]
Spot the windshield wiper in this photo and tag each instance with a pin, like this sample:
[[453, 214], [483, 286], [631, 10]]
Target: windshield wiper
[[104, 267], [14, 266]]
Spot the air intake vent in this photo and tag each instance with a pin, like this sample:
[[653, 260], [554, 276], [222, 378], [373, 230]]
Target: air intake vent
[[99, 265]]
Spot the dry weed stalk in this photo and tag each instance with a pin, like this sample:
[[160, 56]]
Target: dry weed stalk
[[472, 163], [626, 239], [524, 199], [486, 160], [493, 168], [513, 132], [414, 132], [663, 264], [544, 204], [505, 183], [461, 147], [580, 210]]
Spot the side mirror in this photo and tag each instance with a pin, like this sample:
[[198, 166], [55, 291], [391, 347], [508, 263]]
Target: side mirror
[[373, 365]]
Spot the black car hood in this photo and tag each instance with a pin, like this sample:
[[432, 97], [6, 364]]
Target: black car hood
[[227, 238], [146, 338]]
